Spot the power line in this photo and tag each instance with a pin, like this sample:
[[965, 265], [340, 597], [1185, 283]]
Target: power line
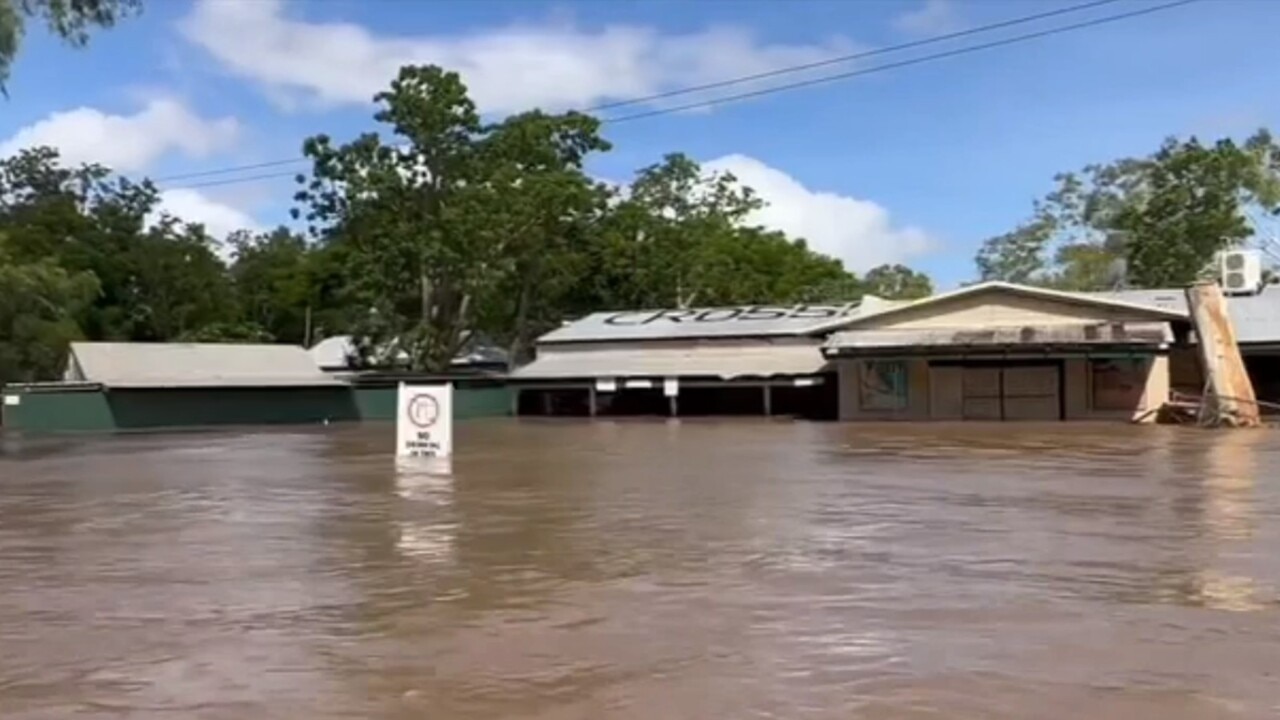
[[234, 180], [726, 83], [902, 63], [839, 60], [771, 90]]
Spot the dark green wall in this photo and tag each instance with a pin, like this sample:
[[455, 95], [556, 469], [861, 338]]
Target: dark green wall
[[137, 409], [52, 410], [69, 411], [379, 403]]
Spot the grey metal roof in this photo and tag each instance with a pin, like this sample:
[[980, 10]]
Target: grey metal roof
[[722, 361], [742, 321], [1098, 334], [172, 365], [1256, 317]]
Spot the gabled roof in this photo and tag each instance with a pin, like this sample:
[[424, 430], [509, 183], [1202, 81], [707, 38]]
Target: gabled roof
[[1080, 299], [169, 365]]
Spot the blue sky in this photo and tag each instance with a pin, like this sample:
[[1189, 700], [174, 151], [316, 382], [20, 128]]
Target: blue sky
[[916, 165]]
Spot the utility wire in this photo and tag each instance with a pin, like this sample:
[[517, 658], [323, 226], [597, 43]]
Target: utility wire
[[902, 63], [765, 91], [838, 60]]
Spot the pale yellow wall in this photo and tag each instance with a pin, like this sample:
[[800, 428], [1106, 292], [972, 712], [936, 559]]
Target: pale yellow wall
[[997, 310], [934, 393], [917, 393], [1080, 392]]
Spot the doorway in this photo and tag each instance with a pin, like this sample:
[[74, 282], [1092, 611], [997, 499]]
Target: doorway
[[996, 390]]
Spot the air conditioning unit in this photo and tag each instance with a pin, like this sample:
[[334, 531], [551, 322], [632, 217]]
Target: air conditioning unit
[[1241, 272]]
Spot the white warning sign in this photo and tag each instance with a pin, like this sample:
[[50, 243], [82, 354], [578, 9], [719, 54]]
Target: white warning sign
[[424, 421]]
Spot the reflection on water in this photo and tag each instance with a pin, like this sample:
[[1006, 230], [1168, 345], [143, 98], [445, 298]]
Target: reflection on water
[[645, 569]]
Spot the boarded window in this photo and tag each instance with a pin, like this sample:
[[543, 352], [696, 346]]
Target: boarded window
[[883, 385], [1118, 384]]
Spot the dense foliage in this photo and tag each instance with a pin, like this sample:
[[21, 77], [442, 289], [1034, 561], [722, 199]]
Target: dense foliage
[[450, 232], [1155, 221]]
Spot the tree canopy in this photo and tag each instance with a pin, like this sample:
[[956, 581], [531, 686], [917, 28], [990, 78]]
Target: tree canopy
[[447, 232], [1154, 221]]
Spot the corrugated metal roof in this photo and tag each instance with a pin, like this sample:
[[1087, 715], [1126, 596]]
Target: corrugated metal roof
[[1256, 317], [1099, 334], [159, 365], [760, 360], [724, 322]]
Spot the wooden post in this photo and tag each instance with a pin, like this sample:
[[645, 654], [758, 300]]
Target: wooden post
[[768, 400], [1229, 397], [591, 400]]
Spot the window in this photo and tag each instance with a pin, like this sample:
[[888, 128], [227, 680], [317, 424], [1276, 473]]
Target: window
[[883, 385], [1117, 384]]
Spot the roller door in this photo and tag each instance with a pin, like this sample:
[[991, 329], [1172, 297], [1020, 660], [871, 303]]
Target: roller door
[[996, 392]]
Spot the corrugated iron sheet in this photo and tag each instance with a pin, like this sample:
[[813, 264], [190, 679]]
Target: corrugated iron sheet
[[744, 321], [1256, 317], [161, 365], [725, 362]]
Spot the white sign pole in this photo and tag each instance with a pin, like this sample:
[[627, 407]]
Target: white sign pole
[[424, 421]]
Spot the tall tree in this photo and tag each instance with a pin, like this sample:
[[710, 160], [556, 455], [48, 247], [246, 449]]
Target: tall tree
[[443, 225], [1159, 219], [70, 20], [679, 236]]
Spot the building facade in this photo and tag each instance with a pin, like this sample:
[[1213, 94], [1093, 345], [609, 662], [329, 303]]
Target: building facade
[[753, 360], [998, 351]]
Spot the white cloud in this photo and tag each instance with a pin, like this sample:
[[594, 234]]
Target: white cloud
[[934, 17], [126, 143], [510, 68], [219, 219], [858, 232]]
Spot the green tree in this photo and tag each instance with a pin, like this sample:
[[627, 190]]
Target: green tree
[[70, 20], [679, 237], [38, 304], [449, 231], [274, 283], [897, 282], [1163, 217], [157, 279]]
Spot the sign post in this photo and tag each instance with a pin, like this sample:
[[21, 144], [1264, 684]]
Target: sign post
[[424, 421]]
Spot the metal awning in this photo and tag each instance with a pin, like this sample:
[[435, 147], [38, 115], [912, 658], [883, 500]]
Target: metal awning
[[724, 362], [1150, 336]]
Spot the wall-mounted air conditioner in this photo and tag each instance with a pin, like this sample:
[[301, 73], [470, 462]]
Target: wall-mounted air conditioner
[[1241, 272]]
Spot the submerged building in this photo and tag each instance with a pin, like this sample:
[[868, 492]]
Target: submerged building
[[992, 351], [713, 361]]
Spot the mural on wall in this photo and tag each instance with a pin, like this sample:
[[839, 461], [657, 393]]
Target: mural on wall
[[1118, 383], [883, 385]]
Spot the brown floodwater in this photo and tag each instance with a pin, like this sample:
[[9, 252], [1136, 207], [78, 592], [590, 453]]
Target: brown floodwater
[[563, 570]]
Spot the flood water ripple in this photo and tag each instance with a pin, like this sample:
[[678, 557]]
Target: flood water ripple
[[568, 569]]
